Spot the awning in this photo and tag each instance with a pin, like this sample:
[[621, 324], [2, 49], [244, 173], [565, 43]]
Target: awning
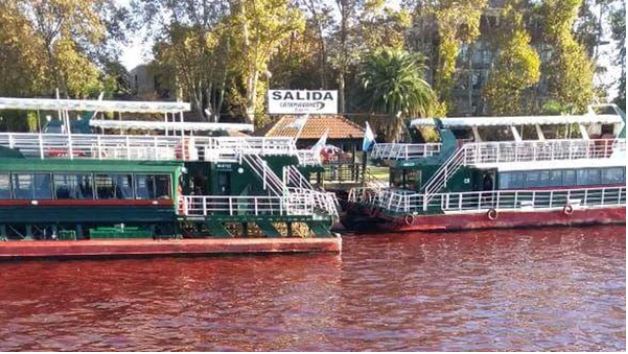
[[464, 122], [171, 126], [52, 104]]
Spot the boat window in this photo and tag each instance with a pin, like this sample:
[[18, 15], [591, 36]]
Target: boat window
[[569, 178], [544, 178], [555, 178], [42, 186], [162, 186], [124, 186], [612, 175], [396, 177], [75, 186], [105, 188], [22, 185], [533, 179], [589, 177], [410, 180], [5, 186], [152, 186]]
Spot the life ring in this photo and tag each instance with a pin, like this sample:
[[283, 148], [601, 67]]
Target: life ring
[[568, 209], [492, 214], [409, 219]]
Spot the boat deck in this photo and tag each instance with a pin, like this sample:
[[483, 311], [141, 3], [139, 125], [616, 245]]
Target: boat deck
[[147, 247]]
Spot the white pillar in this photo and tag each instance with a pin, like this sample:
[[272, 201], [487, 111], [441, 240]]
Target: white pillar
[[539, 132], [515, 133]]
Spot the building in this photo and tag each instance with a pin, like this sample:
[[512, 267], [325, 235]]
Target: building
[[343, 133]]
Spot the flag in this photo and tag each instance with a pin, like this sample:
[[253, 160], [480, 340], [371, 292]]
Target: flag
[[321, 142], [369, 138]]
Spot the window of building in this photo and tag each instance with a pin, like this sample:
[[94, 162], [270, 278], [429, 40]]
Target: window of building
[[73, 186], [5, 186]]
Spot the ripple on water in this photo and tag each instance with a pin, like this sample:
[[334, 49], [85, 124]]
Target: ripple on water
[[559, 289]]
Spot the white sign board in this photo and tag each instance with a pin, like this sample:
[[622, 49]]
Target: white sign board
[[302, 102]]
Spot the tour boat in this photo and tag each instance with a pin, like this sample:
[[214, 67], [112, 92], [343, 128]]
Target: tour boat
[[500, 172], [69, 191]]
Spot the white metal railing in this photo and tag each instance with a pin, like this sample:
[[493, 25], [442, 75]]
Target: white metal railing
[[136, 147], [293, 203], [398, 151], [400, 201], [203, 205], [542, 150], [522, 151], [309, 157]]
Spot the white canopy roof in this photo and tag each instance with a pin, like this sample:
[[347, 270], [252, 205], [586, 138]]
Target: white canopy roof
[[460, 122], [93, 105], [172, 126]]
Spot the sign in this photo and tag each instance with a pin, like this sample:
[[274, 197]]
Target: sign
[[302, 102]]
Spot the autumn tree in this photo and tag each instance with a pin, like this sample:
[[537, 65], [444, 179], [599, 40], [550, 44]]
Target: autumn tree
[[517, 66]]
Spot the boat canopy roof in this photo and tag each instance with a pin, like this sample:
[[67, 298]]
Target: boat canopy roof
[[93, 105], [470, 122], [171, 126]]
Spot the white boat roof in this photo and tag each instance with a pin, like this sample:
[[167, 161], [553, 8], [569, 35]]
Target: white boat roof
[[172, 126], [53, 104], [469, 122]]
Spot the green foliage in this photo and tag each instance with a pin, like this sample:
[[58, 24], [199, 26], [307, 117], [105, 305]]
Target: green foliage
[[394, 81], [569, 71], [517, 67], [458, 22]]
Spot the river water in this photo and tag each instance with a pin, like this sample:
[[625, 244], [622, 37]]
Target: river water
[[554, 288]]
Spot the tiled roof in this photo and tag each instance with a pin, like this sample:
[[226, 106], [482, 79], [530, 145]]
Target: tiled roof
[[339, 128]]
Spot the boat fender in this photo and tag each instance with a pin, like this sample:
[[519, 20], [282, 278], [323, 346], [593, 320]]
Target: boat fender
[[568, 209], [492, 214], [409, 219]]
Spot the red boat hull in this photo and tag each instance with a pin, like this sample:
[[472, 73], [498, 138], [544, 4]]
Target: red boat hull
[[149, 247], [503, 219]]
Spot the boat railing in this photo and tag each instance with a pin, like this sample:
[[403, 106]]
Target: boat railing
[[136, 147], [542, 150], [291, 204], [399, 201], [402, 151]]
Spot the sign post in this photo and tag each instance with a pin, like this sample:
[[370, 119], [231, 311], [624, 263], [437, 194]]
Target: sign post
[[302, 102]]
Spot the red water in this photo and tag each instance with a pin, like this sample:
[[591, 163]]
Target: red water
[[558, 289]]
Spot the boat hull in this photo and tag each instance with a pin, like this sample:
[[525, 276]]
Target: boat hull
[[149, 247], [366, 219]]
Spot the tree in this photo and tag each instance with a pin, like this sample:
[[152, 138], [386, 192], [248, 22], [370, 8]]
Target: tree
[[569, 71], [458, 22], [259, 27], [393, 79], [517, 65], [618, 33]]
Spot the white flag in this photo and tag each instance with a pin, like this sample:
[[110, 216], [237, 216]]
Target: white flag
[[369, 138]]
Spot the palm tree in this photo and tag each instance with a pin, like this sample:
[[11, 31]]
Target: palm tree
[[394, 81]]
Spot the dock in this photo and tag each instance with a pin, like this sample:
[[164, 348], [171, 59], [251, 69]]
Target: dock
[[12, 250]]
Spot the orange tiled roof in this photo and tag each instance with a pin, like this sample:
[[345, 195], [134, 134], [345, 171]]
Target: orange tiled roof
[[339, 128]]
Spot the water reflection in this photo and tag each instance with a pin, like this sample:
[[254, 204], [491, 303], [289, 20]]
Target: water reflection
[[558, 288]]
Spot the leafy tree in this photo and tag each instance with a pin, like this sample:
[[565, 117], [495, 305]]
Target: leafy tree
[[517, 65], [569, 72], [618, 32], [458, 22], [393, 79]]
